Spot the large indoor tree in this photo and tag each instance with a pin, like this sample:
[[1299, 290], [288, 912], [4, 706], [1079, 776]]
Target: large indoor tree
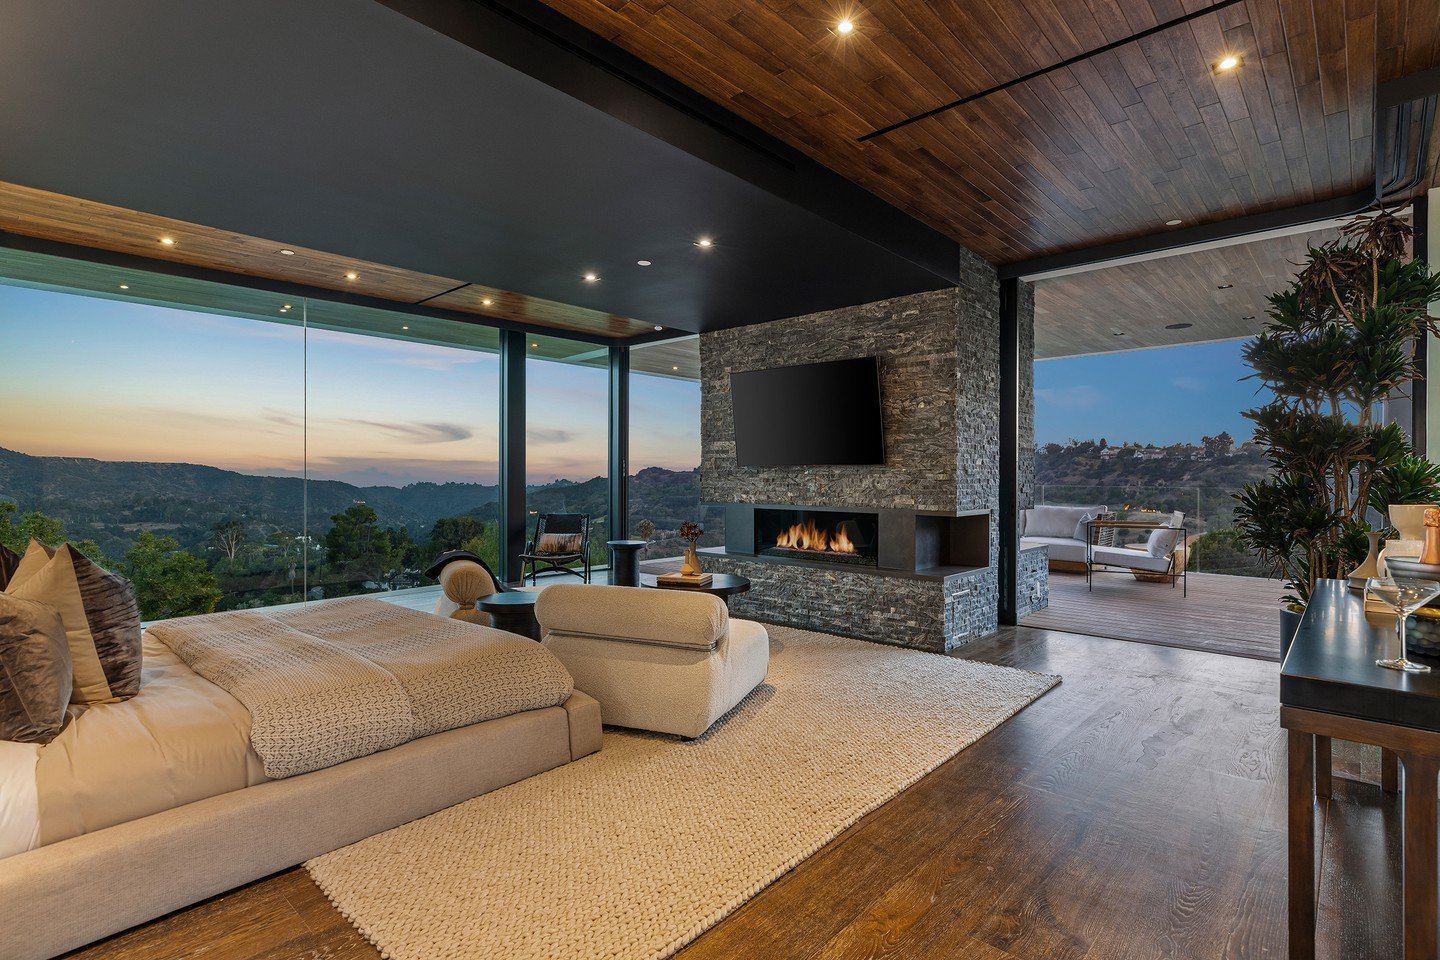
[[1337, 342]]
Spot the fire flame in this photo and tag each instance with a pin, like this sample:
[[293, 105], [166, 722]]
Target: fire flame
[[807, 536]]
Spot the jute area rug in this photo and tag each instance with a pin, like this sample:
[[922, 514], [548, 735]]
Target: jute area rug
[[636, 850]]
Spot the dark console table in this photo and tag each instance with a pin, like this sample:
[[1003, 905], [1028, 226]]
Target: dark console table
[[1330, 689], [722, 585]]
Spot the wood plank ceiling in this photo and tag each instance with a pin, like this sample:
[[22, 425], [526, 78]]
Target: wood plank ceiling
[[1107, 149], [52, 216], [1220, 294]]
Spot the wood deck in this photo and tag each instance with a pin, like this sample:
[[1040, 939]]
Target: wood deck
[[1239, 616]]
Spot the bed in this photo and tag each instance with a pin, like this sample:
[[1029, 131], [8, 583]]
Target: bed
[[141, 807]]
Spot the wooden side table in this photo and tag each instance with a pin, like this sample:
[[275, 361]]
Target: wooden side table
[[513, 610]]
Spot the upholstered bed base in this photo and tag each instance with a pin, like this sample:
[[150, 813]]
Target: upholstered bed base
[[68, 894]]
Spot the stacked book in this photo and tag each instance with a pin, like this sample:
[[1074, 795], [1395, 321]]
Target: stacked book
[[684, 580]]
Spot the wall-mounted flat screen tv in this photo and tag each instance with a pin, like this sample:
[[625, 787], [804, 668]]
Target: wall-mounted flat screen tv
[[813, 414]]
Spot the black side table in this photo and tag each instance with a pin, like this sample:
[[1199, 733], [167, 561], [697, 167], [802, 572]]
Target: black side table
[[625, 562], [513, 610]]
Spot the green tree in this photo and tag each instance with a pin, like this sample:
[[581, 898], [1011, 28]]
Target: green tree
[[453, 533], [168, 581], [360, 548], [644, 529], [227, 536]]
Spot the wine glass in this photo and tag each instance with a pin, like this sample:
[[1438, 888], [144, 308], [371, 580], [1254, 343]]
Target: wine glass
[[1403, 595]]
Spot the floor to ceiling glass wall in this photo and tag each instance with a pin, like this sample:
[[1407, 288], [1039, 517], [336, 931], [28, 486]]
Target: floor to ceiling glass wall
[[567, 435], [665, 448]]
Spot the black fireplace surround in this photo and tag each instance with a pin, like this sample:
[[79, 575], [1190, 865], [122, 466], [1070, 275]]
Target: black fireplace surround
[[875, 540]]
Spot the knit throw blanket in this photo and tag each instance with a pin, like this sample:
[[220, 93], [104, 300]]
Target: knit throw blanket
[[339, 679]]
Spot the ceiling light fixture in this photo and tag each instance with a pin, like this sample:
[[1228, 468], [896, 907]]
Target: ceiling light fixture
[[1227, 63], [287, 253], [674, 368], [1178, 326], [404, 328], [1173, 223], [351, 275], [658, 327], [486, 302], [535, 346], [591, 277], [124, 286], [845, 27], [167, 241], [704, 242], [642, 263], [1224, 286]]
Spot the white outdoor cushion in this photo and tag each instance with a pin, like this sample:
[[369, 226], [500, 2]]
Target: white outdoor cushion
[[1058, 548], [1162, 542], [1049, 521], [1134, 559]]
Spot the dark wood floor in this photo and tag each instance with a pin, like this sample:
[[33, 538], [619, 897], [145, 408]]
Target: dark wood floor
[[1136, 811]]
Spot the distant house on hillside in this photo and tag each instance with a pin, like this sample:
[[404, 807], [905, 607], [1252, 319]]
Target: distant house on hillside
[[1149, 454], [1109, 453]]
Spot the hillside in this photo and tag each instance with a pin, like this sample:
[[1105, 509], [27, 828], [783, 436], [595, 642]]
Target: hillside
[[1199, 479]]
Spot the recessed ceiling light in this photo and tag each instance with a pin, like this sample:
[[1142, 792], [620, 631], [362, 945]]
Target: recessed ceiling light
[[287, 253], [287, 306], [1173, 223], [124, 286], [591, 277], [1227, 63], [1178, 326], [1224, 286], [351, 275], [845, 26], [642, 263], [674, 368], [535, 346], [486, 302], [167, 241], [658, 327], [704, 242]]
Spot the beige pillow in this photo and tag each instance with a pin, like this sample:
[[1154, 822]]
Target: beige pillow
[[34, 560], [35, 674], [102, 623], [552, 543]]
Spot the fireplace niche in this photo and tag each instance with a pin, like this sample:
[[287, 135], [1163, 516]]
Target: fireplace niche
[[818, 536]]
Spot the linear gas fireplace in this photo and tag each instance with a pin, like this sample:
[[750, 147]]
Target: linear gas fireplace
[[821, 536]]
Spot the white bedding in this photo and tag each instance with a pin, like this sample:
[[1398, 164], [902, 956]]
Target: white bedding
[[19, 798]]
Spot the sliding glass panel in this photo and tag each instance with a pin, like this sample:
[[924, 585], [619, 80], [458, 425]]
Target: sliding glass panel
[[665, 448], [402, 446], [155, 423], [567, 391]]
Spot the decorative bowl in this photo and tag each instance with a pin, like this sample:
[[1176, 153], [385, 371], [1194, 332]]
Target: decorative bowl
[[1413, 568], [1422, 632]]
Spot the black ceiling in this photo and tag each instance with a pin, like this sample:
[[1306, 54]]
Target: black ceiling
[[349, 126]]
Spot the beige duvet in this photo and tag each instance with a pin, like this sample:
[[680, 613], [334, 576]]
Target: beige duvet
[[180, 739]]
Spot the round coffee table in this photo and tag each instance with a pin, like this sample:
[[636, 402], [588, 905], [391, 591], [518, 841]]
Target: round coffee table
[[513, 610], [722, 585]]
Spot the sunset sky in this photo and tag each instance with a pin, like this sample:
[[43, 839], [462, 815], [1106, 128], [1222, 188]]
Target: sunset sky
[[88, 377]]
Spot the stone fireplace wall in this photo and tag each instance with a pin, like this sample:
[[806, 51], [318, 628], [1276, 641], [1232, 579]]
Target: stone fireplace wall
[[939, 369]]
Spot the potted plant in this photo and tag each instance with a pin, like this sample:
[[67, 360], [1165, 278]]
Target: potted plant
[[1336, 343]]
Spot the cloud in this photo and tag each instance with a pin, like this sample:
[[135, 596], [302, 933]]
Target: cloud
[[538, 436], [415, 432], [1192, 384], [1079, 397]]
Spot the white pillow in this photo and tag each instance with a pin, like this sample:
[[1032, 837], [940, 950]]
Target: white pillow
[[1162, 541], [1081, 530]]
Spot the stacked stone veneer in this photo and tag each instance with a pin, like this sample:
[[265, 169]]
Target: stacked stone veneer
[[939, 384]]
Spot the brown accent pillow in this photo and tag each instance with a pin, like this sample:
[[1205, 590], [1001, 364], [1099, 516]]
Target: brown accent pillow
[[102, 624], [35, 673], [9, 561], [32, 562], [558, 543]]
